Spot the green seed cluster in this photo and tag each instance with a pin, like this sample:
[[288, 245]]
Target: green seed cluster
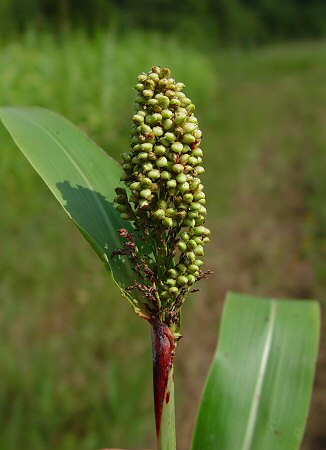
[[162, 172]]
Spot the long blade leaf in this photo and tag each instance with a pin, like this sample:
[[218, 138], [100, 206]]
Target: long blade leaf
[[81, 176], [259, 387]]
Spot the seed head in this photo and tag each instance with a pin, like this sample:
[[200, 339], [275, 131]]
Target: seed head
[[164, 196]]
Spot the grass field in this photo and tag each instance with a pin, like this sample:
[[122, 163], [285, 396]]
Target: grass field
[[75, 362]]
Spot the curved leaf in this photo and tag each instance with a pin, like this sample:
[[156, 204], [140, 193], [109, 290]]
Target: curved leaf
[[259, 387], [81, 176]]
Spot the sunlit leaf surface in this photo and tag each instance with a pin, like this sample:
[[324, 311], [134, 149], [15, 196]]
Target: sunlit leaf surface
[[259, 387]]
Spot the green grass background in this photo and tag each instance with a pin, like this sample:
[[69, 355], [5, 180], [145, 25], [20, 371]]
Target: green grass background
[[75, 362]]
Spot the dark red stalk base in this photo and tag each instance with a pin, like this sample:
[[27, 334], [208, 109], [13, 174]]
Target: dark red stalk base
[[163, 353]]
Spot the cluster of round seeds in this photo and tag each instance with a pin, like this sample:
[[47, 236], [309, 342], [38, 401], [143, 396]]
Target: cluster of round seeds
[[162, 172]]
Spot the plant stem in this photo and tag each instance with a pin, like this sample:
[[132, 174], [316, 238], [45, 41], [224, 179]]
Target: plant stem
[[163, 353]]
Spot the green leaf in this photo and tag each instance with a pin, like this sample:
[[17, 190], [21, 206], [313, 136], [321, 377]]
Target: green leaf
[[259, 387], [81, 176]]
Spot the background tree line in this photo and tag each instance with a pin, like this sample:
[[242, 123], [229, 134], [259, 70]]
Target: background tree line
[[245, 22]]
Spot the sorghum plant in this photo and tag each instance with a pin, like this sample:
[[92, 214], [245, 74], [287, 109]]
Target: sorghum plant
[[164, 200], [152, 241]]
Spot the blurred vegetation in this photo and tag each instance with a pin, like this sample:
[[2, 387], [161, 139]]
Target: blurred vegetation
[[242, 22], [75, 362]]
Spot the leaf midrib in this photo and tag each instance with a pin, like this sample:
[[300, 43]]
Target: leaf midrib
[[252, 419]]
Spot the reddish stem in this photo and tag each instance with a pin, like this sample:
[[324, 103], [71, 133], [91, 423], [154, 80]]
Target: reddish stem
[[163, 353]]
